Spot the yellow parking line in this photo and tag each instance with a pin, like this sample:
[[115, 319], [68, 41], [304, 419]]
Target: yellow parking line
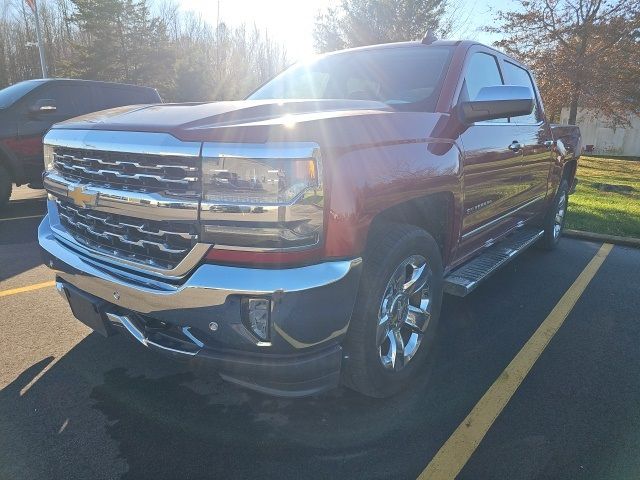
[[21, 218], [28, 288], [457, 450]]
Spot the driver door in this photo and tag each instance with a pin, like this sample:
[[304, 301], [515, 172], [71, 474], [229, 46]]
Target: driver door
[[70, 101], [492, 163]]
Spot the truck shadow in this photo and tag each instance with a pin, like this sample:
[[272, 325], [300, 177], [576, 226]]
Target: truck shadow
[[19, 250], [112, 407], [138, 415]]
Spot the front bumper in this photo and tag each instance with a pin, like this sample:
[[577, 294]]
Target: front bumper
[[310, 313]]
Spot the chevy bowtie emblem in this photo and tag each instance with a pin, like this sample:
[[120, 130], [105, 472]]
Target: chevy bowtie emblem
[[81, 197]]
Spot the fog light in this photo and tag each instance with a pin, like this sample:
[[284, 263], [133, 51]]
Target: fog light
[[257, 317]]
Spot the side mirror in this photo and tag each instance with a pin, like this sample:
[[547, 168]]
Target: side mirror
[[44, 105], [500, 101]]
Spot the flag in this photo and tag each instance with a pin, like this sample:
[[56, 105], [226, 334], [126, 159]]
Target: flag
[[32, 5]]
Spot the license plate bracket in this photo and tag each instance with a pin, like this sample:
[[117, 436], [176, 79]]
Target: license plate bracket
[[89, 310]]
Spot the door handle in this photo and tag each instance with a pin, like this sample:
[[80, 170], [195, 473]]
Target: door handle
[[515, 146]]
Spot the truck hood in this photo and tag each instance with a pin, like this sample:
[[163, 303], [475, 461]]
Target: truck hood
[[330, 123]]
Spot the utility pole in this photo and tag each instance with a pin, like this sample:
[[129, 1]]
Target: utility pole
[[218, 69], [218, 17], [43, 61], [218, 30]]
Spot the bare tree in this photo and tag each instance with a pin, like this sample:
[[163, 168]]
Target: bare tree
[[353, 23], [181, 55], [585, 53]]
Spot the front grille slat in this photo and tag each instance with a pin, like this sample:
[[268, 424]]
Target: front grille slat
[[122, 176], [156, 243], [117, 163], [174, 175]]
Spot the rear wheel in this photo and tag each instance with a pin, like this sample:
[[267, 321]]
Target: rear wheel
[[396, 315], [6, 185], [555, 218]]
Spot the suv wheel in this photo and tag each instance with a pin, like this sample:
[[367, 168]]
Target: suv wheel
[[554, 220], [5, 186], [396, 315]]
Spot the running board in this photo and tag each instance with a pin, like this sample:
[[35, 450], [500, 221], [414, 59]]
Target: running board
[[463, 280]]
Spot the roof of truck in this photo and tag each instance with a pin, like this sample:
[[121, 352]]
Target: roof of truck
[[94, 82], [414, 43]]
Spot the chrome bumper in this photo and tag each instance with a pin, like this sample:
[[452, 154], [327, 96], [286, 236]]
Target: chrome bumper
[[311, 305]]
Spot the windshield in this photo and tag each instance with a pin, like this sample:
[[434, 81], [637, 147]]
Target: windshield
[[406, 78], [9, 95]]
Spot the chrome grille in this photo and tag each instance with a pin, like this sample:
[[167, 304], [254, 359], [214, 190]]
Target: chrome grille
[[160, 244], [129, 171]]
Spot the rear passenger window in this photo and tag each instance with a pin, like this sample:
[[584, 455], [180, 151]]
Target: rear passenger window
[[72, 100], [111, 97], [482, 71], [516, 75]]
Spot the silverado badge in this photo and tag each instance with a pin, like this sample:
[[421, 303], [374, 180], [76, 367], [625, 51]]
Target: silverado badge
[[82, 197]]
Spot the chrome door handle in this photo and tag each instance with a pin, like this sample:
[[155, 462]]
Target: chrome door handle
[[515, 146]]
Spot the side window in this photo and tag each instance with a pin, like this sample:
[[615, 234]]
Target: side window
[[112, 96], [71, 100], [83, 99], [482, 71], [516, 75]]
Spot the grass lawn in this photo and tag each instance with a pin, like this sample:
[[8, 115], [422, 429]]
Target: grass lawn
[[613, 213]]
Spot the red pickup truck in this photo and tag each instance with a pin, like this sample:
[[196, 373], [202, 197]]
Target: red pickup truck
[[306, 236]]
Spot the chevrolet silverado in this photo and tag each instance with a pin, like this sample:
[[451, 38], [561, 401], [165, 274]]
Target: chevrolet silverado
[[305, 237]]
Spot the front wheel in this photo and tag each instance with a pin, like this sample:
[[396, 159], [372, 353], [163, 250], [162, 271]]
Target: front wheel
[[555, 218], [393, 326]]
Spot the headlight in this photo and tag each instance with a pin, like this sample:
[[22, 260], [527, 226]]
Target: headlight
[[48, 157], [257, 181], [262, 197]]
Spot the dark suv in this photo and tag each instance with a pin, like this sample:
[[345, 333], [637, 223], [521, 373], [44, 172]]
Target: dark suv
[[28, 109]]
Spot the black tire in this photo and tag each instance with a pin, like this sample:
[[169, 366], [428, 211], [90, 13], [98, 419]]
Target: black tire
[[552, 236], [388, 246], [6, 185]]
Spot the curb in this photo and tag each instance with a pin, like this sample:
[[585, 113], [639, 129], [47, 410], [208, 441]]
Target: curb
[[600, 237]]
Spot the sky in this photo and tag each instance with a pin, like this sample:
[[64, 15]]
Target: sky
[[291, 21]]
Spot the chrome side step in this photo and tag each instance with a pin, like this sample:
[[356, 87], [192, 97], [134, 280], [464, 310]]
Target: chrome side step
[[467, 277]]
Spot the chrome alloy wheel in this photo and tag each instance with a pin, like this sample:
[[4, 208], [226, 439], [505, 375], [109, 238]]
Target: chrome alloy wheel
[[560, 211], [404, 314]]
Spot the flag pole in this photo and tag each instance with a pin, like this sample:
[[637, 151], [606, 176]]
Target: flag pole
[[43, 61]]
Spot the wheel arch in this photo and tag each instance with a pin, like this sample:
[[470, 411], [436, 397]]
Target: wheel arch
[[433, 213]]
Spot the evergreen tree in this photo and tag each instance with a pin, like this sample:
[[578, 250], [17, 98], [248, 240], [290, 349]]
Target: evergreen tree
[[119, 41], [354, 23]]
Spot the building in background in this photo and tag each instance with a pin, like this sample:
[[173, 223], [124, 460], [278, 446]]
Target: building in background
[[598, 137]]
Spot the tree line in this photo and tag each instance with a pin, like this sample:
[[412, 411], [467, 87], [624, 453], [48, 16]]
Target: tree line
[[180, 54], [584, 53]]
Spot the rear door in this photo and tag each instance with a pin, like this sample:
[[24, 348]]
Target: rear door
[[534, 135], [492, 161]]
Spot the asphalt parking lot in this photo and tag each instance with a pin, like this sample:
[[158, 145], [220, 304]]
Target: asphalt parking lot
[[74, 405]]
